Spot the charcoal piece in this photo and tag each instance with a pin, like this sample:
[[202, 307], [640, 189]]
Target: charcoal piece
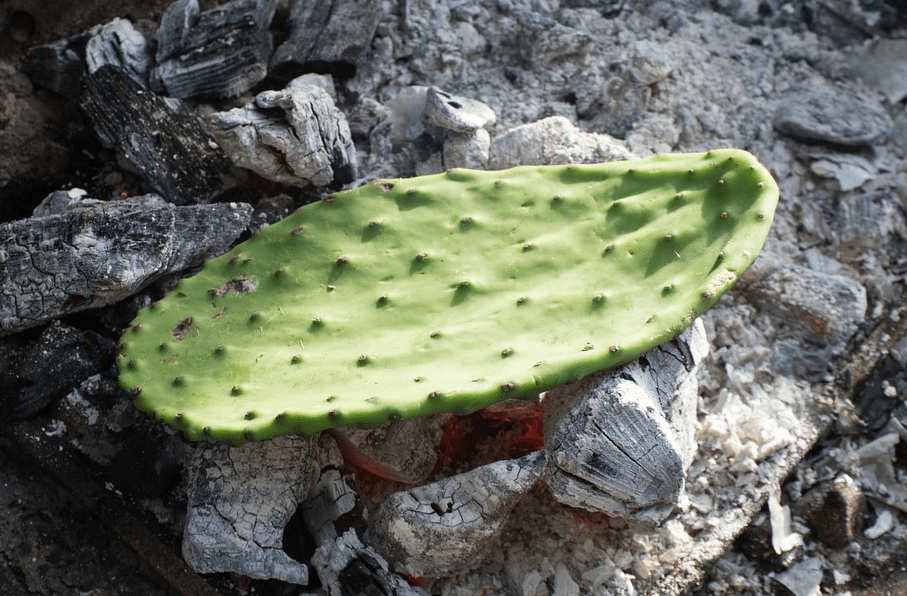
[[821, 112], [59, 66], [161, 137], [347, 566], [835, 511], [326, 37], [331, 500], [240, 499], [620, 441], [451, 525], [877, 395], [62, 357], [222, 52], [118, 43], [61, 201], [295, 136], [94, 256], [820, 307]]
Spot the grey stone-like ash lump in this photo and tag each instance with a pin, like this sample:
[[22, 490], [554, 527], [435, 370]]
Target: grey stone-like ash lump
[[295, 136]]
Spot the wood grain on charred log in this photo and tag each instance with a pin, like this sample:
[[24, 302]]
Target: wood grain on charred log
[[161, 137], [326, 37], [94, 256]]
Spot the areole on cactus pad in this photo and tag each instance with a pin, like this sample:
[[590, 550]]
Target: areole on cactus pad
[[446, 293]]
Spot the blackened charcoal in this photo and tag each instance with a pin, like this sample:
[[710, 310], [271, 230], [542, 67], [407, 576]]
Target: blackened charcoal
[[94, 256], [876, 397], [326, 37], [222, 52], [59, 66], [61, 358], [162, 138], [145, 465]]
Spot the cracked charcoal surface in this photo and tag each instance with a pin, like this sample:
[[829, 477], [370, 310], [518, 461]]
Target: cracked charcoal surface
[[182, 162], [94, 256], [620, 441], [222, 52], [295, 136], [447, 526], [240, 499]]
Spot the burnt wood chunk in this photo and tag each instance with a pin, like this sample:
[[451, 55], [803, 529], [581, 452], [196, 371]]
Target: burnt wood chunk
[[161, 137], [222, 52], [296, 136], [118, 43], [326, 37], [62, 358], [449, 526], [59, 66], [620, 441], [240, 500], [94, 256]]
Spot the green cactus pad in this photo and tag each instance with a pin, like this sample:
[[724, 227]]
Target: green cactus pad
[[446, 293]]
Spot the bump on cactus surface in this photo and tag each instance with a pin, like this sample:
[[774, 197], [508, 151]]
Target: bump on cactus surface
[[446, 293]]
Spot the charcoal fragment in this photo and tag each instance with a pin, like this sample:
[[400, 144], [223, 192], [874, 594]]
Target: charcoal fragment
[[326, 37], [161, 137], [59, 66], [621, 440], [118, 43], [240, 499], [222, 52], [295, 136], [94, 256], [61, 358]]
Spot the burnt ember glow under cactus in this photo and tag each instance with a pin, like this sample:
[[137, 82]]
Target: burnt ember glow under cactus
[[446, 293]]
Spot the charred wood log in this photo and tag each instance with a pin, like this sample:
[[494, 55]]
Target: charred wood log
[[222, 52], [326, 37], [94, 256], [161, 137], [620, 441]]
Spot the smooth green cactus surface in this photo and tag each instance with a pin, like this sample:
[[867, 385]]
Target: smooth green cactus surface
[[446, 293]]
